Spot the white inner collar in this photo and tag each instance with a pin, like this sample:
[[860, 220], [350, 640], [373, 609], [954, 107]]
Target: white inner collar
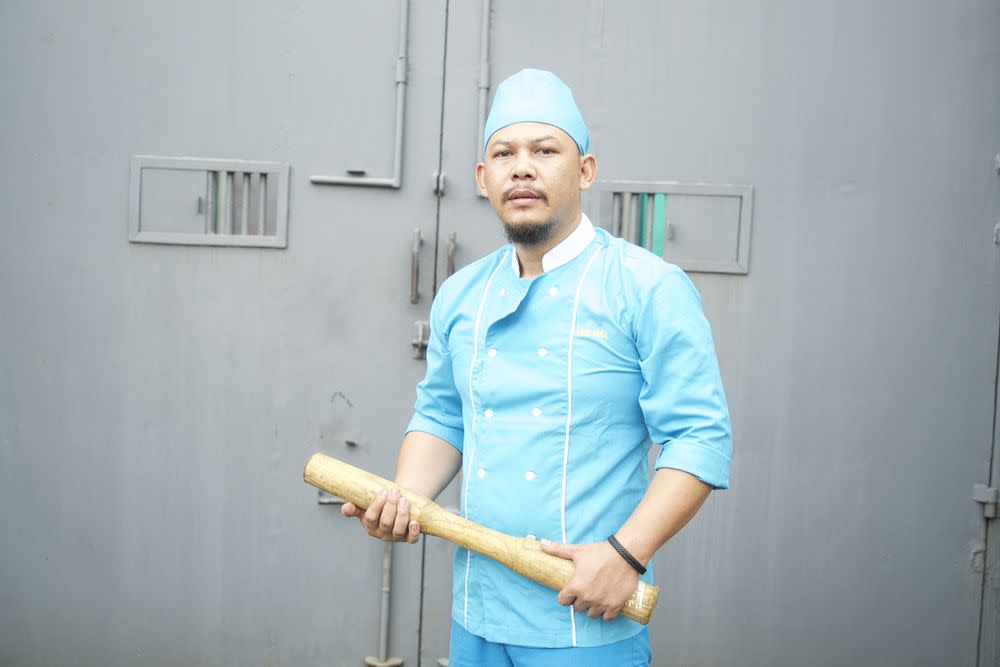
[[568, 249]]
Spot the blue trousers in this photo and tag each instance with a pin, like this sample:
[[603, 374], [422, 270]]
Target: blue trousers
[[469, 650]]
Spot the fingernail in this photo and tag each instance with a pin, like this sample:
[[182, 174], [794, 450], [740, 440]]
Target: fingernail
[[402, 502], [545, 542]]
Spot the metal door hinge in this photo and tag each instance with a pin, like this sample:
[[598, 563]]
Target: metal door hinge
[[420, 342], [439, 183], [988, 496], [996, 234]]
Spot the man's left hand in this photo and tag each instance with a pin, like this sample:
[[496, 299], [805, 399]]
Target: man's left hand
[[603, 581]]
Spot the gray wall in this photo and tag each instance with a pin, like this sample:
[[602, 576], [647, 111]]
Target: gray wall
[[157, 403]]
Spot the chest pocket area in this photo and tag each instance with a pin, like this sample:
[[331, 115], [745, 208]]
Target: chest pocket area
[[605, 371]]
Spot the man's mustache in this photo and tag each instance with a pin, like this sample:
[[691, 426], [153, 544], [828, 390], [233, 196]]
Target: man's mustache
[[538, 193]]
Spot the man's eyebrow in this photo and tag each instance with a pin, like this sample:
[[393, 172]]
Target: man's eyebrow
[[536, 140]]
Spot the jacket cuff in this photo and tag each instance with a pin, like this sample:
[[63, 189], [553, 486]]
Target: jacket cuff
[[453, 436], [706, 463]]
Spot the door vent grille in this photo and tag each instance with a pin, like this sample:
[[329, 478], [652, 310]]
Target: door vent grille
[[700, 227], [194, 201]]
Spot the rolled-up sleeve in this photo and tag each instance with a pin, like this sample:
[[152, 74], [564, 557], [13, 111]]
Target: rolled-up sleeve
[[682, 398], [438, 409]]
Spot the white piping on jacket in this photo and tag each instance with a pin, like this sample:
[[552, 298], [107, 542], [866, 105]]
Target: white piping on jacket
[[569, 413], [472, 403]]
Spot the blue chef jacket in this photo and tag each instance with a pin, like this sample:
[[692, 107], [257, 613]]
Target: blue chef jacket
[[554, 388]]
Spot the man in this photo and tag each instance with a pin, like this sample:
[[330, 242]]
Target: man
[[552, 364]]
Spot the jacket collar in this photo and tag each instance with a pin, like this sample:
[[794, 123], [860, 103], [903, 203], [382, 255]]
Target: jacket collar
[[567, 250]]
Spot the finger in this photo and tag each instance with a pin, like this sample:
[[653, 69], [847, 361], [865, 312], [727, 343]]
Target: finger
[[557, 549], [401, 525], [580, 605], [595, 611], [414, 532], [565, 597], [350, 509], [374, 511], [612, 614], [388, 518]]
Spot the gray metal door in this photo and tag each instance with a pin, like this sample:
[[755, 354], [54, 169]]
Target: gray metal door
[[158, 402], [859, 350]]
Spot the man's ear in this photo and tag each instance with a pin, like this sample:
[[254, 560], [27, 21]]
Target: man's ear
[[588, 171], [481, 178]]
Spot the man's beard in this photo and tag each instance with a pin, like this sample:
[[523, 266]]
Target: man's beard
[[529, 234]]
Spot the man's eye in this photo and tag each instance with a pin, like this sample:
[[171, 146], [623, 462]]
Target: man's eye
[[501, 154], [547, 151]]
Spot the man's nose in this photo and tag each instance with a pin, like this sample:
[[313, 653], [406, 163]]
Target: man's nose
[[523, 165]]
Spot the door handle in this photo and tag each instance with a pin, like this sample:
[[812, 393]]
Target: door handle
[[415, 267], [452, 244]]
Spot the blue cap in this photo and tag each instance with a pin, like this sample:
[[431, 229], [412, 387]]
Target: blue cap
[[536, 96]]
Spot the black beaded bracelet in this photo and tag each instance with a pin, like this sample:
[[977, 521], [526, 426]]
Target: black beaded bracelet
[[623, 552]]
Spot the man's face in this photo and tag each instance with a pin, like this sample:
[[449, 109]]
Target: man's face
[[533, 174]]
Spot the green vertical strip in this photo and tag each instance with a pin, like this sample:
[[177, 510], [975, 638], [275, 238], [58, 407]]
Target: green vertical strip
[[659, 223], [640, 236]]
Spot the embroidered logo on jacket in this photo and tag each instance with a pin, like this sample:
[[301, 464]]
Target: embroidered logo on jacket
[[592, 333]]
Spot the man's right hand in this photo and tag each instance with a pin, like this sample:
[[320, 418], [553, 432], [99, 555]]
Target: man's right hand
[[387, 518]]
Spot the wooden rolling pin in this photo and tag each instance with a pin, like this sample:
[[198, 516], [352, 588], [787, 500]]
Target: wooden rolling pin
[[522, 555]]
